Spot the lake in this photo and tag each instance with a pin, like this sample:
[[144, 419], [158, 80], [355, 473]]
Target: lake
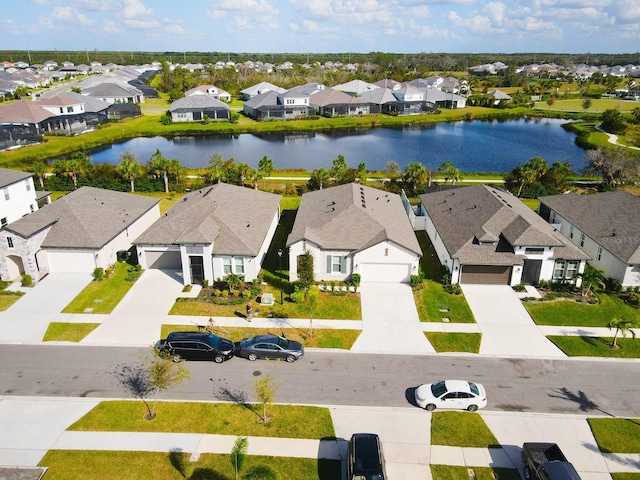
[[476, 146]]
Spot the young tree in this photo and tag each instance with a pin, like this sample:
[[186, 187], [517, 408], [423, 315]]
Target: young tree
[[319, 178], [415, 174], [305, 269], [392, 170], [239, 454], [311, 305], [586, 104], [339, 169], [622, 326], [361, 173], [158, 166], [265, 167], [244, 171], [176, 170], [592, 278], [39, 169], [265, 389], [129, 168], [450, 172]]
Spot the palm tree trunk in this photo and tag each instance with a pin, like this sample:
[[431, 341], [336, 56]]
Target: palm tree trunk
[[166, 183], [132, 186]]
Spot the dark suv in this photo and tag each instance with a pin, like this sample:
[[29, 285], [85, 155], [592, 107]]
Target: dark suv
[[366, 460], [197, 346]]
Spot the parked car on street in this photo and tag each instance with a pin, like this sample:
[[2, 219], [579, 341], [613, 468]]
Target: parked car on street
[[197, 346], [270, 347], [451, 394]]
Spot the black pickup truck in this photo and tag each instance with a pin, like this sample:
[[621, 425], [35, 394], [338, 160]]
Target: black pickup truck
[[545, 461]]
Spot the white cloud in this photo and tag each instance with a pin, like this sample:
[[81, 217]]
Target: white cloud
[[111, 27], [496, 12], [310, 26], [96, 5], [135, 8], [69, 16], [39, 2], [250, 7]]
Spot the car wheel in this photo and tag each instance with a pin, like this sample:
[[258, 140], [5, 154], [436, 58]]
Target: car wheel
[[176, 358], [218, 359], [252, 357], [290, 358], [431, 407], [472, 408]]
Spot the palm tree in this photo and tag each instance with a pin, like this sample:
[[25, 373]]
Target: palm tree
[[361, 173], [415, 174], [265, 166], [158, 166], [256, 472], [175, 169], [319, 177], [450, 172], [591, 278], [244, 171], [39, 169], [129, 168], [622, 326], [530, 171]]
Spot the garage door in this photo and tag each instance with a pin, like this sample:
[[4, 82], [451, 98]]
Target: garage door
[[486, 275], [385, 272], [165, 260], [70, 261]]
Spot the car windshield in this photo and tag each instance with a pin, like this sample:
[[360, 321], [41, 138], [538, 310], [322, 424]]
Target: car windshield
[[213, 340], [438, 389], [474, 388], [283, 342]]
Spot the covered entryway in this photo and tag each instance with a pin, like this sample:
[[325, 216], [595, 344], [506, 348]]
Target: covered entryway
[[163, 259], [15, 266], [531, 271], [196, 264], [385, 272], [486, 274]]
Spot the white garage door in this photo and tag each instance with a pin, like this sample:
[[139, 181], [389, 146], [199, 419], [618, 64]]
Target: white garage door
[[385, 272], [163, 259], [71, 261]]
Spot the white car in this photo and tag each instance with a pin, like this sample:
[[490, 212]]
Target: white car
[[451, 394]]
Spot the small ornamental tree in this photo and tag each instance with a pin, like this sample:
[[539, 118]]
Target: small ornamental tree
[[622, 326], [265, 389], [311, 305], [305, 269]]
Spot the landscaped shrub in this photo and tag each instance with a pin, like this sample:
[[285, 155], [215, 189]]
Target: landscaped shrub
[[217, 292], [519, 287], [26, 280], [453, 288], [298, 295], [613, 285], [415, 280], [246, 294], [305, 269], [355, 281], [133, 273], [98, 273]]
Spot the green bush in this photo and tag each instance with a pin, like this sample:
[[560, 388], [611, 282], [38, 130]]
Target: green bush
[[217, 292], [98, 273], [26, 280], [519, 287], [355, 280], [205, 283], [298, 294], [452, 288]]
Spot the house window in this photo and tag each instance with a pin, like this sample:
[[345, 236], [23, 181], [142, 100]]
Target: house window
[[69, 109], [6, 193], [572, 269], [239, 265], [10, 242], [558, 270], [28, 186], [599, 253], [553, 217], [565, 270], [534, 250], [571, 232], [233, 265], [227, 266], [582, 240], [3, 222], [31, 208], [290, 101], [336, 264]]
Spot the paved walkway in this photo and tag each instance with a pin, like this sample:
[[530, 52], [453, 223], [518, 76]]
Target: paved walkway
[[32, 426], [506, 327]]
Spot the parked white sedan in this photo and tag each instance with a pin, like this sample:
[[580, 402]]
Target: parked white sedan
[[451, 394]]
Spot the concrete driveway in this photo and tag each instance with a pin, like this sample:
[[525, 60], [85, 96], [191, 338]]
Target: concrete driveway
[[137, 318], [390, 322], [507, 328]]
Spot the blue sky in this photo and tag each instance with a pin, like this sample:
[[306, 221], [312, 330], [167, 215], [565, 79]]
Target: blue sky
[[330, 26]]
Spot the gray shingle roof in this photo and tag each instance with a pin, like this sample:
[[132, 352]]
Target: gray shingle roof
[[235, 219], [610, 218], [352, 217], [85, 218], [8, 176], [24, 111], [197, 102], [478, 224]]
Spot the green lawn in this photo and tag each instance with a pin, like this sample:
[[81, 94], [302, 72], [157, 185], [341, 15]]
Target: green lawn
[[461, 429], [107, 465], [432, 298], [219, 418], [564, 312], [597, 105], [455, 342], [321, 338], [68, 332], [625, 476], [616, 435], [450, 472], [7, 300], [102, 296], [575, 346]]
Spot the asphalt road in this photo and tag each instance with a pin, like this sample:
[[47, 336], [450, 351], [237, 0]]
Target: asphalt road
[[335, 378]]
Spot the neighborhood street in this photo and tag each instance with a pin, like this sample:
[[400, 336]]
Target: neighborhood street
[[324, 378]]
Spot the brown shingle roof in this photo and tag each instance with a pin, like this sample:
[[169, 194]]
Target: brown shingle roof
[[235, 219], [23, 111], [611, 219], [85, 218], [352, 217]]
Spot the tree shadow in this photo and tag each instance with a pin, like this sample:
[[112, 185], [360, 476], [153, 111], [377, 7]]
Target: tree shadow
[[332, 452], [207, 474], [238, 397], [177, 458], [581, 399]]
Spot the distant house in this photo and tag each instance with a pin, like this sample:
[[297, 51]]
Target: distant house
[[606, 226], [351, 229], [282, 106], [355, 87], [199, 107], [260, 89], [22, 122], [211, 233], [499, 96], [332, 103], [485, 235], [115, 92], [77, 233], [211, 91]]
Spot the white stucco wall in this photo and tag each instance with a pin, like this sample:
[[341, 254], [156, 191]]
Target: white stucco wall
[[22, 200]]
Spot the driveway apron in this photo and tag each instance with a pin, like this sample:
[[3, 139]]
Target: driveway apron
[[507, 328], [137, 318], [27, 320], [390, 322]]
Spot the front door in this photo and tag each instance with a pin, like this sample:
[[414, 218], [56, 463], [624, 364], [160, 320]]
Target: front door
[[196, 265], [531, 272]]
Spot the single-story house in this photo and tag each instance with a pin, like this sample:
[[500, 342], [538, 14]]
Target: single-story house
[[485, 235], [195, 107], [333, 103], [606, 226], [212, 232], [259, 89], [355, 87], [351, 229], [211, 91], [79, 232], [499, 96]]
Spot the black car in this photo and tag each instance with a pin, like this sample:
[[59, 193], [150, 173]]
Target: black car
[[366, 460], [197, 346], [270, 347]]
